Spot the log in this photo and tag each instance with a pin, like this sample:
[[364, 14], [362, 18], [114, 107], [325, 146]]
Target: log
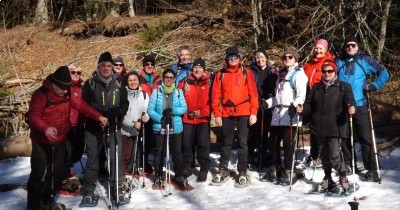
[[16, 82], [15, 146]]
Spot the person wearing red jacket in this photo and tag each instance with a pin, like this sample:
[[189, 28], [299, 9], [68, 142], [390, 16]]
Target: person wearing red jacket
[[49, 119], [313, 71], [196, 127], [234, 101]]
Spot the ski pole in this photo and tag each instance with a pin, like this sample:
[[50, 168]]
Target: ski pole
[[260, 143], [52, 172], [116, 159], [106, 137], [373, 138], [352, 155], [143, 155], [167, 164], [294, 151]]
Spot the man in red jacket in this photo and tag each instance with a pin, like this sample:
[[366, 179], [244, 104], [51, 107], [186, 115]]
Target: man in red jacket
[[234, 102], [196, 127], [49, 119]]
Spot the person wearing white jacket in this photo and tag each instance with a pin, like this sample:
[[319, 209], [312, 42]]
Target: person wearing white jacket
[[136, 114], [290, 94]]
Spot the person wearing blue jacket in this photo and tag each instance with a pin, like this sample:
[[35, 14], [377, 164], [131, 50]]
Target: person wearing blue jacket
[[167, 106], [356, 68], [184, 66]]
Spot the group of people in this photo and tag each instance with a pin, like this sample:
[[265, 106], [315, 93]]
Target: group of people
[[259, 106]]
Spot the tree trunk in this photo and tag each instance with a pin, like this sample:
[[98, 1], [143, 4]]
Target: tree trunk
[[42, 14], [256, 20], [115, 8], [382, 34], [131, 8]]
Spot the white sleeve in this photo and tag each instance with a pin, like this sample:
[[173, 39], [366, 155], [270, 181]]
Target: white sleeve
[[300, 82]]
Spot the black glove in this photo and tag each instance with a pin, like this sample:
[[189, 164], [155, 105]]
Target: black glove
[[166, 117], [264, 103], [191, 115], [292, 110]]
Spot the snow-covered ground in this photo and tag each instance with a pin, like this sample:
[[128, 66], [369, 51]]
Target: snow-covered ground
[[259, 195]]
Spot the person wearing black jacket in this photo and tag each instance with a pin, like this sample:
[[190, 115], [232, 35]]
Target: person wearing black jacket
[[329, 105], [105, 93], [265, 79]]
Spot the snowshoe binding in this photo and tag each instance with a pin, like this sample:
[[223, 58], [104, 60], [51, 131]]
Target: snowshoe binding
[[221, 178], [243, 180], [327, 184], [70, 187], [159, 184], [182, 184], [89, 200], [270, 175]]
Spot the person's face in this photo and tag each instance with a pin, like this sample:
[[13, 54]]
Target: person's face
[[169, 79], [351, 48], [198, 72], [133, 82], [288, 60], [233, 60], [118, 68], [75, 74], [185, 56], [319, 51], [106, 69], [261, 60], [328, 73], [59, 91], [149, 67]]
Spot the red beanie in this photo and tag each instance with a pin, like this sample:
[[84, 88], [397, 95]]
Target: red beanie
[[330, 63]]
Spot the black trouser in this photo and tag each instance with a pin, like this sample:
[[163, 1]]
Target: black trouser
[[258, 139], [228, 132], [94, 145], [200, 136], [175, 149], [331, 155], [362, 129], [148, 143], [74, 149], [346, 150], [315, 145], [129, 155], [39, 183], [279, 133]]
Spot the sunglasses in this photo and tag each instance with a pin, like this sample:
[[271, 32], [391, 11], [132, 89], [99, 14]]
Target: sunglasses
[[167, 77], [351, 45], [149, 64], [328, 71], [289, 57], [75, 73], [233, 58], [119, 65]]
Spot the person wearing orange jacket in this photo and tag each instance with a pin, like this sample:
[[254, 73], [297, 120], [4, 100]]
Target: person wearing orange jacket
[[314, 74], [196, 127], [234, 102]]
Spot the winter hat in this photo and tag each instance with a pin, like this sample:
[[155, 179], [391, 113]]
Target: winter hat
[[105, 57], [351, 39], [232, 51], [330, 63], [118, 60], [199, 62], [62, 78], [149, 58], [292, 51], [322, 42], [261, 50]]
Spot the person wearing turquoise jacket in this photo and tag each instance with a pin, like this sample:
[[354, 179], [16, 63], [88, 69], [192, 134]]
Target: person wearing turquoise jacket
[[184, 66], [166, 107], [356, 68]]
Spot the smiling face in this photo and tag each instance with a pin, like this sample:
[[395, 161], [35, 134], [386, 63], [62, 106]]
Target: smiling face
[[261, 60], [233, 60], [351, 48], [149, 67], [319, 51], [185, 56], [198, 72], [119, 68], [133, 82], [288, 60], [105, 69], [169, 79], [75, 74]]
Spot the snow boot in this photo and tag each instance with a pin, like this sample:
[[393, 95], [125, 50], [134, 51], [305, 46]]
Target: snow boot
[[159, 183], [182, 184], [372, 176], [270, 175], [202, 176], [89, 200], [285, 178], [242, 180], [67, 185], [221, 176], [326, 184]]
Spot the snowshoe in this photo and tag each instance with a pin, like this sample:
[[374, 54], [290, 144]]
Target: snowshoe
[[270, 175], [159, 184], [339, 191], [70, 187], [285, 178], [124, 198], [243, 180], [89, 200], [182, 184], [371, 176], [54, 206], [327, 184], [221, 178], [202, 176]]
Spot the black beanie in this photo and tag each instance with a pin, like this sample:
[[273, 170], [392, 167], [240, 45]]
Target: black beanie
[[106, 57], [231, 51], [261, 50], [149, 58], [351, 39], [118, 60], [62, 78], [199, 62]]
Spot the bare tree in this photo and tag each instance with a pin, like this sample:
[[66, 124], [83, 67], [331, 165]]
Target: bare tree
[[42, 14], [131, 8], [115, 8], [256, 6], [382, 34]]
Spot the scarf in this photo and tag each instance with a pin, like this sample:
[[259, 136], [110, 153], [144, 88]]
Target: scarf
[[104, 80], [329, 82], [133, 92], [168, 90]]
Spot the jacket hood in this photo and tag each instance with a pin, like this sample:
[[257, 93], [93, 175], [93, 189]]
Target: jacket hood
[[50, 92]]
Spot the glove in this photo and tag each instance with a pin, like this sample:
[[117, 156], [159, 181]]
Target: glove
[[191, 115], [264, 103], [370, 88], [166, 118], [292, 110]]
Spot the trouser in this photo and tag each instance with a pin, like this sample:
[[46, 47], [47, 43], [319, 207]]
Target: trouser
[[331, 155], [315, 145], [175, 149], [200, 136], [259, 139], [94, 145], [362, 129], [278, 134], [148, 143], [228, 132], [39, 183], [129, 156], [346, 150], [74, 149]]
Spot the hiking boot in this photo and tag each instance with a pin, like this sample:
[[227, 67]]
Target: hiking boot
[[67, 185], [327, 184], [344, 182], [89, 199], [182, 182], [270, 175], [285, 178], [242, 178], [372, 176], [221, 175], [159, 182], [202, 176]]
